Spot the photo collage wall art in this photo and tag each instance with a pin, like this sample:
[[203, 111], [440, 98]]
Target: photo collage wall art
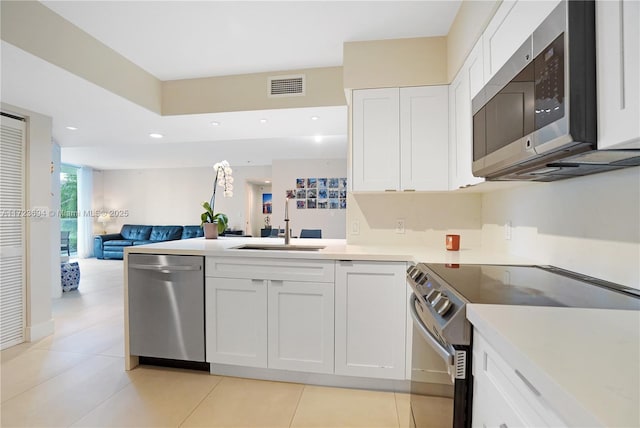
[[319, 193]]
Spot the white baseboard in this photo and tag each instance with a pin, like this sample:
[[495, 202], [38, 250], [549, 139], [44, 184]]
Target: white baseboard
[[38, 331]]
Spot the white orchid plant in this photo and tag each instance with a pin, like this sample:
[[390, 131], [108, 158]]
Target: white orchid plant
[[224, 180]]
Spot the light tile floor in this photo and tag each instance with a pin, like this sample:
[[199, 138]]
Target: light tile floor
[[76, 378]]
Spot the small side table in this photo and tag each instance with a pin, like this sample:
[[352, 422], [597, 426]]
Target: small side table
[[69, 275]]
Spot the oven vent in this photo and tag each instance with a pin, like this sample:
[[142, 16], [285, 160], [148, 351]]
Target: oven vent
[[460, 364], [286, 86]]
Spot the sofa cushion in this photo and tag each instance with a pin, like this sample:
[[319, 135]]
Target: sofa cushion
[[118, 243], [192, 232], [135, 232], [144, 242], [165, 233]]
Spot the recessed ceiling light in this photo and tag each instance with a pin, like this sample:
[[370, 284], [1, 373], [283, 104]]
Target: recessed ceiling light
[[314, 118], [155, 135], [214, 123], [318, 138], [263, 120], [72, 128]]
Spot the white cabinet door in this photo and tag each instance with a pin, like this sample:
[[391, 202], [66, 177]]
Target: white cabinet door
[[301, 326], [618, 49], [491, 409], [461, 143], [513, 22], [370, 319], [424, 138], [236, 321], [502, 396], [376, 139], [475, 66]]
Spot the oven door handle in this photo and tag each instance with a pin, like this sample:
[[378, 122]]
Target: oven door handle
[[444, 353]]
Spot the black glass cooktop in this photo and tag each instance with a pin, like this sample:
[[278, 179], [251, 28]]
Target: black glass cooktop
[[534, 286]]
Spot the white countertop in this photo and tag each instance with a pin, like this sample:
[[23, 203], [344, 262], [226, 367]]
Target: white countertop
[[335, 249], [584, 362]]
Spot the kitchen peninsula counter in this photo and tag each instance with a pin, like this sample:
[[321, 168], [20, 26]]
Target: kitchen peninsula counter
[[335, 249]]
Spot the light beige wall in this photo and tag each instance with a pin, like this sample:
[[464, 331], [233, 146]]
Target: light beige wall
[[36, 29], [588, 224], [395, 63], [466, 29], [173, 196], [249, 92], [42, 249], [428, 218]]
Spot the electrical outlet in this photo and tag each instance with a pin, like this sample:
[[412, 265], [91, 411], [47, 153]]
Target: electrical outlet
[[355, 227], [400, 225], [507, 231]]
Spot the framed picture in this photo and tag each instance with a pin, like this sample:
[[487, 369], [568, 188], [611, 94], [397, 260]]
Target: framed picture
[[266, 203], [301, 204], [311, 204], [333, 183], [334, 204], [312, 193], [323, 204], [333, 194], [300, 183], [312, 183], [322, 193], [301, 194]]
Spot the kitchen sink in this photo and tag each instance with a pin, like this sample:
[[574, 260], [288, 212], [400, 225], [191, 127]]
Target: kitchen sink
[[279, 247]]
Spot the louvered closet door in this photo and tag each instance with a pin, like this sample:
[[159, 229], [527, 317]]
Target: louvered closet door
[[12, 204]]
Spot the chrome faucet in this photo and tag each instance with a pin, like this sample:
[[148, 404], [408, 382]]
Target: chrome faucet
[[287, 233]]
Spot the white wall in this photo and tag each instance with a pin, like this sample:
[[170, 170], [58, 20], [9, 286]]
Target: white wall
[[285, 172], [589, 224], [42, 234], [428, 218], [172, 196]]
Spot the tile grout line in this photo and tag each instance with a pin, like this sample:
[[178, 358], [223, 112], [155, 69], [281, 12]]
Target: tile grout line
[[295, 411], [203, 398]]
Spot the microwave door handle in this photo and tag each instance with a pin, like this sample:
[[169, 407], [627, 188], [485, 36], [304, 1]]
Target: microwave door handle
[[444, 353]]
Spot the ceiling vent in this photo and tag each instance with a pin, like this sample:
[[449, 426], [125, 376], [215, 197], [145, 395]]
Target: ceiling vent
[[286, 86]]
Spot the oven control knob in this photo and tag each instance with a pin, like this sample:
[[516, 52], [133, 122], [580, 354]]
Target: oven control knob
[[443, 306], [433, 297], [419, 277], [411, 271]]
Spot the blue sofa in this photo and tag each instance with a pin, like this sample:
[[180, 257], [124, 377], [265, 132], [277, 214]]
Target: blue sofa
[[112, 246]]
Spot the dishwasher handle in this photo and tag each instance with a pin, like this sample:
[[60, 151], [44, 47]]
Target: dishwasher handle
[[167, 268]]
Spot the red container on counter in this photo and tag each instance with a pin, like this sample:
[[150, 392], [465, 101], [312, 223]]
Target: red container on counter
[[453, 242]]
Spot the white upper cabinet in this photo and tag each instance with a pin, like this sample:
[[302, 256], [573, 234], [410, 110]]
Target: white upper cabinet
[[618, 53], [469, 81], [475, 65], [513, 22], [400, 139], [376, 139], [423, 138]]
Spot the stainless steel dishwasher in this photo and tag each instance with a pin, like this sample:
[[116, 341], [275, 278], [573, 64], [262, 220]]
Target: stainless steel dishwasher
[[166, 306]]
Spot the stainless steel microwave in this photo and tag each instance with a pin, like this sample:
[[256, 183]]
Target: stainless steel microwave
[[535, 119]]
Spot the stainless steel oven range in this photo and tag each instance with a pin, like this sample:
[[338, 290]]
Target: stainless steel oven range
[[438, 308]]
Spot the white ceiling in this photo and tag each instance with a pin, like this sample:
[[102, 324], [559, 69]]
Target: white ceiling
[[187, 39]]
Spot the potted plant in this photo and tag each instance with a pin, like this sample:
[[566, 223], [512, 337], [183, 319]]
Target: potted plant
[[215, 224]]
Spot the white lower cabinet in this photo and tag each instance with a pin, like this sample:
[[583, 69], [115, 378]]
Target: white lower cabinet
[[502, 395], [270, 313], [236, 321], [300, 326], [370, 319]]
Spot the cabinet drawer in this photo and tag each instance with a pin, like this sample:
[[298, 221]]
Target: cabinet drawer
[[491, 369], [276, 269]]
